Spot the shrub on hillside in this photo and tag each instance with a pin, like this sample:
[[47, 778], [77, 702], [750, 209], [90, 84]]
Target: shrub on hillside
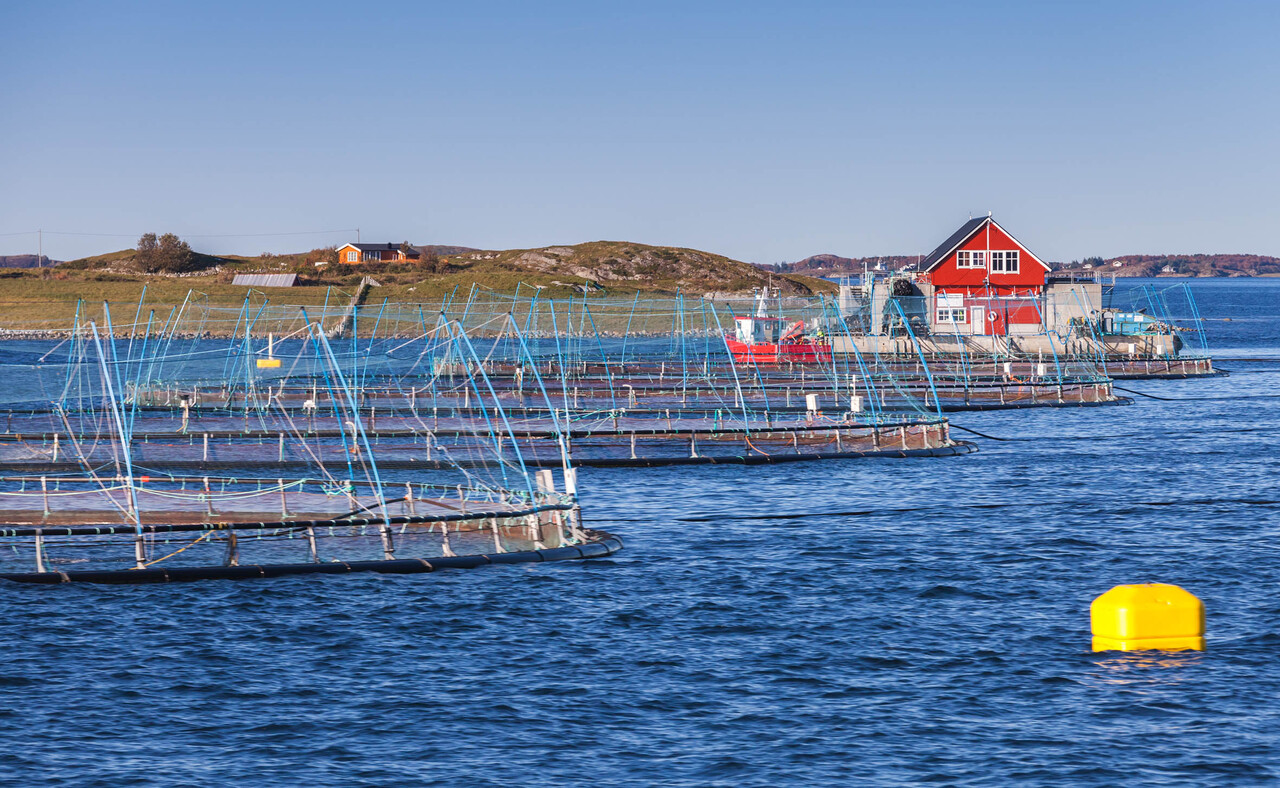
[[167, 254], [431, 263], [323, 254]]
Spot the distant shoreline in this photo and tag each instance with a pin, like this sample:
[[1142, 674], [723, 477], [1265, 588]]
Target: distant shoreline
[[1123, 266]]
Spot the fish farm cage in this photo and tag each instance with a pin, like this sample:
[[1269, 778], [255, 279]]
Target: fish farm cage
[[111, 504], [144, 528], [220, 389], [197, 440], [675, 346], [1162, 330]]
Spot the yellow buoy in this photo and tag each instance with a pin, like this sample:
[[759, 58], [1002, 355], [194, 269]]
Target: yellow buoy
[[270, 362], [1147, 616]]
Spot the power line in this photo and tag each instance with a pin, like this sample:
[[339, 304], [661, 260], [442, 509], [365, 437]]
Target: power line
[[265, 235], [186, 235]]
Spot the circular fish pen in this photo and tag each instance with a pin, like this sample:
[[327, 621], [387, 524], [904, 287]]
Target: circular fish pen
[[109, 500], [58, 530], [438, 397], [610, 438]]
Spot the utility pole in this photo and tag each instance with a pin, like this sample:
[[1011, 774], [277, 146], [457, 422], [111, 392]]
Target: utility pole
[[40, 249], [357, 235]]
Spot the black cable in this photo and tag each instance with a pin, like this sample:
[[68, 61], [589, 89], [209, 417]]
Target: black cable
[[1152, 396], [1179, 434], [1195, 399], [989, 437]]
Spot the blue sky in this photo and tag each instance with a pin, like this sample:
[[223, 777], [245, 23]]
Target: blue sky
[[766, 132]]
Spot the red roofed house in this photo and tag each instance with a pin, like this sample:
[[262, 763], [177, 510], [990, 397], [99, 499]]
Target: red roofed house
[[375, 253], [983, 281]]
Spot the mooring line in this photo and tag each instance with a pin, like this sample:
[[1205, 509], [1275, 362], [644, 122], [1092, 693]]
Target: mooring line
[[1121, 436], [1151, 396], [1195, 399], [989, 437]]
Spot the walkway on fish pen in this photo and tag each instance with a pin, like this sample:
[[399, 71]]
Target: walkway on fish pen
[[605, 439]]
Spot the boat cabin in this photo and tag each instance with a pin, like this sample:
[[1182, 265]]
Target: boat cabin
[[758, 330], [763, 339]]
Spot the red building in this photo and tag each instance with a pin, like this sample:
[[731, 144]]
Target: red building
[[982, 280]]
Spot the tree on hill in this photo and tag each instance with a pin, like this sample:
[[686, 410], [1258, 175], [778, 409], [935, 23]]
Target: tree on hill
[[323, 254], [431, 263], [167, 254]]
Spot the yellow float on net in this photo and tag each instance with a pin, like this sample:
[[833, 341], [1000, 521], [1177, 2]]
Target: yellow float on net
[[270, 362], [1155, 616]]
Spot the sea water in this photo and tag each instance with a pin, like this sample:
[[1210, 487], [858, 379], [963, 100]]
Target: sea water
[[845, 622]]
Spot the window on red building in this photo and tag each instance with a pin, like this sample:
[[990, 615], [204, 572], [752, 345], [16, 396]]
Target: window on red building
[[1004, 262], [951, 308], [969, 259]]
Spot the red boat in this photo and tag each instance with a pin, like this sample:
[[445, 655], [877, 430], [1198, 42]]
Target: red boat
[[769, 340]]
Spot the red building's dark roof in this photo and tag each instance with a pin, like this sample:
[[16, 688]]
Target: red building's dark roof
[[959, 237], [948, 246]]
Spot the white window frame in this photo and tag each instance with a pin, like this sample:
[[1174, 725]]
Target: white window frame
[[971, 258], [1009, 261], [950, 309]]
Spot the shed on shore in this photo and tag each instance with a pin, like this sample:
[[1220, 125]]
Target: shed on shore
[[265, 280]]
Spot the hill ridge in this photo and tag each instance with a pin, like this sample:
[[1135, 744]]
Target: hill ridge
[[591, 266]]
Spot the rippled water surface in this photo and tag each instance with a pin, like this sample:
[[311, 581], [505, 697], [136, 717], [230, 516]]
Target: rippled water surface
[[852, 622]]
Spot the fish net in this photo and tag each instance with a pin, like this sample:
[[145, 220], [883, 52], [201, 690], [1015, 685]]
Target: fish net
[[599, 381], [111, 494]]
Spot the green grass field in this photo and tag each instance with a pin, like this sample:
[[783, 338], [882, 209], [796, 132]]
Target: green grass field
[[33, 303], [44, 300]]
